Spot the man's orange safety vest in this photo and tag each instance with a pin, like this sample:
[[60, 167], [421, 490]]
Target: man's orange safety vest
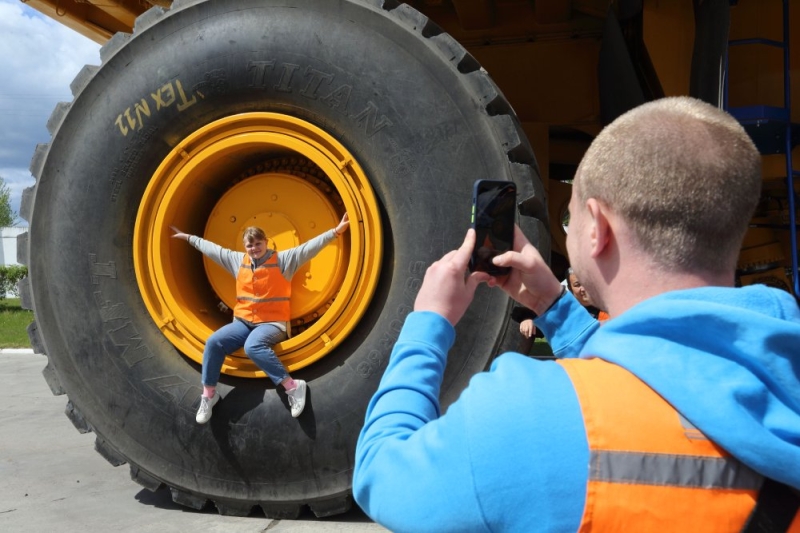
[[262, 294], [650, 469]]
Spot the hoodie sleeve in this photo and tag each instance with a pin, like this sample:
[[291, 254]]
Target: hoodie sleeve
[[401, 450], [567, 326], [417, 470]]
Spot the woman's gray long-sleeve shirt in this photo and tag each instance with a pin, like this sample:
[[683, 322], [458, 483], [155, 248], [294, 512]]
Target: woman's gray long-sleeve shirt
[[288, 261]]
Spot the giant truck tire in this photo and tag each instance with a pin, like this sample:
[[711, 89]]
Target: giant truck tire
[[214, 115]]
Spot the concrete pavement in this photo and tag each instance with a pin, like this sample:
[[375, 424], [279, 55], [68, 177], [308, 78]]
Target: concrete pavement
[[51, 479]]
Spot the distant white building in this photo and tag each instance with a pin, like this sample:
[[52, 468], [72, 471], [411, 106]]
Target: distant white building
[[8, 251]]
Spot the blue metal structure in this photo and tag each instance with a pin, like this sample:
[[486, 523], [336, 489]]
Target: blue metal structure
[[772, 130]]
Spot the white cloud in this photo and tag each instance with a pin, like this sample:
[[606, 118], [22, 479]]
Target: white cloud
[[39, 58]]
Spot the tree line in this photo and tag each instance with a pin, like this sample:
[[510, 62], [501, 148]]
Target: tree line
[[9, 277], [9, 274], [8, 217]]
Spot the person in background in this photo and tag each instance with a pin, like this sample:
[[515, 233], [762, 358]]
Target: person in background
[[262, 311], [580, 294], [525, 316], [681, 413], [527, 329]]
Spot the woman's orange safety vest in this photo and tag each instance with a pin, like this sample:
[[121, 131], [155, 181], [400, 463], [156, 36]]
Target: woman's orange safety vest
[[262, 294], [650, 469]]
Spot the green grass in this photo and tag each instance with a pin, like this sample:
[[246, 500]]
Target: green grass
[[14, 322], [540, 348]]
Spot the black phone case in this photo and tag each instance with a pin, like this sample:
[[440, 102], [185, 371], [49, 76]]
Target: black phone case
[[493, 218]]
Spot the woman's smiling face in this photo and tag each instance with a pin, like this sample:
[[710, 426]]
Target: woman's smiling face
[[579, 291], [255, 248]]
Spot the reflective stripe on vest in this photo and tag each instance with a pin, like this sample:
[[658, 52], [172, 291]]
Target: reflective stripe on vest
[[650, 470], [262, 294]]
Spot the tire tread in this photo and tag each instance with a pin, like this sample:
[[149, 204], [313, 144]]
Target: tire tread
[[25, 298], [51, 377], [281, 511], [108, 452], [38, 159], [178, 5], [490, 97], [145, 479], [331, 506], [234, 508], [515, 145], [57, 117], [26, 204], [188, 499], [114, 45], [22, 248], [77, 418], [148, 19], [82, 80], [455, 53]]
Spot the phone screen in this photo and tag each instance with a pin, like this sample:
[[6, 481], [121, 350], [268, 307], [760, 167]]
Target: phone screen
[[494, 207]]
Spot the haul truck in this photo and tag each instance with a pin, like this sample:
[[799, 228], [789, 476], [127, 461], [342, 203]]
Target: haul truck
[[215, 115]]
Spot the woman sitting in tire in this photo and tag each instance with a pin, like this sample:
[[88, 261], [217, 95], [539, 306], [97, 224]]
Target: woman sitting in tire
[[262, 311]]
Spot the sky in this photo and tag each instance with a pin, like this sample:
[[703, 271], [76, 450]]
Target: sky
[[39, 58]]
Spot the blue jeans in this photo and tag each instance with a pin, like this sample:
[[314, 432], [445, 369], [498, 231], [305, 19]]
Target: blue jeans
[[257, 340]]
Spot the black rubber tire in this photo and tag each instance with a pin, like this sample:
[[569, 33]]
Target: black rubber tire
[[439, 123]]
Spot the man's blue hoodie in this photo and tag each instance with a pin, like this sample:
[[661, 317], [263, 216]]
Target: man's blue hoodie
[[511, 454]]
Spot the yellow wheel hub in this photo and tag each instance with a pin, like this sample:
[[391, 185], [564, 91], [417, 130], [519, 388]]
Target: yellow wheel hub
[[294, 181]]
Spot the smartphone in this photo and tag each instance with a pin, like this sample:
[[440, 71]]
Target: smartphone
[[494, 208]]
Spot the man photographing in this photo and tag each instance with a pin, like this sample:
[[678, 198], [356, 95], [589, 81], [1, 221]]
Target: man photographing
[[682, 412]]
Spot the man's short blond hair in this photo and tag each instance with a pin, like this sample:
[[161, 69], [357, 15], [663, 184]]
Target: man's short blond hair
[[253, 234], [684, 175]]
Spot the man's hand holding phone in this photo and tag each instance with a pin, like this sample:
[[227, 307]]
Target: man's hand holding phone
[[530, 282], [494, 251], [494, 210], [448, 289]]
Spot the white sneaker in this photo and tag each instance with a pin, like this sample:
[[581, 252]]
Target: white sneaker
[[206, 405], [297, 398]]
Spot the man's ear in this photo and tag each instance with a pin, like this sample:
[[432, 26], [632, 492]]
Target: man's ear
[[600, 229]]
